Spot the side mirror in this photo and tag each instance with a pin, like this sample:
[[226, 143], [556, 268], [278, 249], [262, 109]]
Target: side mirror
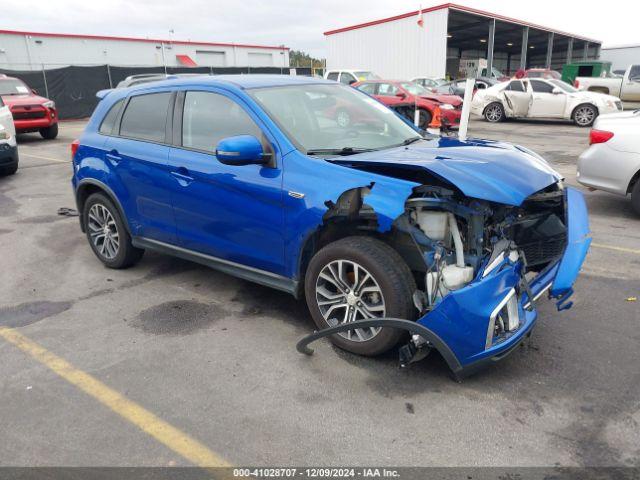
[[34, 91], [401, 95], [241, 150], [351, 82], [556, 91]]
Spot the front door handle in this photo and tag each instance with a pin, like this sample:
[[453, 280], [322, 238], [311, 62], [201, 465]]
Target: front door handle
[[183, 177]]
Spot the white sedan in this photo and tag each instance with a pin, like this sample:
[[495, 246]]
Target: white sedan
[[542, 98], [612, 162]]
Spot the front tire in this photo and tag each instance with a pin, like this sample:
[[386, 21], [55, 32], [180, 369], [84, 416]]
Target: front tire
[[9, 170], [494, 113], [107, 233], [49, 133], [424, 119], [356, 278], [635, 197], [584, 115]]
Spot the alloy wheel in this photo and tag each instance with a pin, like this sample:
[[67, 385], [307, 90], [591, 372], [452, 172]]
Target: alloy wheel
[[493, 113], [346, 292], [584, 115], [103, 231]]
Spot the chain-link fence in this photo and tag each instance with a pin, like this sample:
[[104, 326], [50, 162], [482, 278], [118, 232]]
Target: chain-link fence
[[74, 88]]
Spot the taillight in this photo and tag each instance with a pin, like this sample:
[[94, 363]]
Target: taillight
[[576, 83], [74, 148], [599, 136]]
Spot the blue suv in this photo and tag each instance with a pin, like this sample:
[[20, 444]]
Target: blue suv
[[369, 220]]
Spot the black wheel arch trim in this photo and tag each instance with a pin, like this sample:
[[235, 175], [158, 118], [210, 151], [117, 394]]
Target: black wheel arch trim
[[399, 323], [108, 191]]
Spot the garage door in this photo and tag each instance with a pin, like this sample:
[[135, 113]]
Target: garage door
[[260, 60], [211, 58]]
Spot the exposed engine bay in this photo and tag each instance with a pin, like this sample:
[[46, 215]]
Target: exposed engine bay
[[459, 239]]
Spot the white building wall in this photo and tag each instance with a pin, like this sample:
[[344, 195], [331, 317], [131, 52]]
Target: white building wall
[[621, 57], [24, 52], [398, 49]]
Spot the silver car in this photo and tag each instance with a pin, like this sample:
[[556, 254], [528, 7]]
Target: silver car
[[612, 162]]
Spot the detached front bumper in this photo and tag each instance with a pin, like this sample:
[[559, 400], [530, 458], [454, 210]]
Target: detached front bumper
[[462, 323]]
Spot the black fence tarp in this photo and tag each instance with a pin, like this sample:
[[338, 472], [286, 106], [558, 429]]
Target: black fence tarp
[[74, 88]]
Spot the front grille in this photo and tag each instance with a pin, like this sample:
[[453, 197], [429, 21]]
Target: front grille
[[543, 251], [29, 115]]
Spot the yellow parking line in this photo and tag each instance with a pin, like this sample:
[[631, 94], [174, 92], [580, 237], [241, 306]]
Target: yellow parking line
[[617, 249], [44, 158], [146, 421]]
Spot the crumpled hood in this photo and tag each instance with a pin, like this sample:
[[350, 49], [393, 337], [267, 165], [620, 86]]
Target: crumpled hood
[[483, 169], [441, 98]]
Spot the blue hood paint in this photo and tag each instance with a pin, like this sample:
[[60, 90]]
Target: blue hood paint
[[482, 169]]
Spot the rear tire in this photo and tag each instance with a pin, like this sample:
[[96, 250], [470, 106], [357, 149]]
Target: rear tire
[[356, 278], [494, 112], [584, 115], [49, 133], [635, 197], [107, 233]]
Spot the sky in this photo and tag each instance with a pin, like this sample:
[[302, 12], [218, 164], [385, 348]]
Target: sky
[[296, 24]]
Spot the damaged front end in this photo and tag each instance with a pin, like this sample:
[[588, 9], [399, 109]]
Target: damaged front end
[[479, 266]]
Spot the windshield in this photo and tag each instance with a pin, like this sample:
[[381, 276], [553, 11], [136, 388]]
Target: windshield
[[563, 85], [333, 118], [13, 86], [415, 89], [361, 76]]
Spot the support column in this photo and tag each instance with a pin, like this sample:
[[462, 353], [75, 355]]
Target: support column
[[549, 50], [585, 51], [570, 50], [525, 46], [490, 43]]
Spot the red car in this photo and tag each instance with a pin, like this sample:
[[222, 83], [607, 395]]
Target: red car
[[393, 92], [31, 113]]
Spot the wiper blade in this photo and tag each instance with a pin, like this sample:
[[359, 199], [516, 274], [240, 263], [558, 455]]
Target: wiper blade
[[411, 140], [339, 151]]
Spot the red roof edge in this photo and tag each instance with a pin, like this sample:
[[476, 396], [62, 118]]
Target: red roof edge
[[388, 19], [134, 39], [463, 9]]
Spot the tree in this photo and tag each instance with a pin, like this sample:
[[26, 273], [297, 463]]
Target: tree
[[298, 58]]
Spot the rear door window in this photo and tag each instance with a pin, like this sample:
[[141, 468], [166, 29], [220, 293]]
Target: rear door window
[[109, 121], [145, 117], [209, 117], [387, 89], [369, 88], [515, 86], [333, 76], [540, 86]]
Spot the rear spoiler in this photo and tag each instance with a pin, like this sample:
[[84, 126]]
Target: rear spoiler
[[103, 93]]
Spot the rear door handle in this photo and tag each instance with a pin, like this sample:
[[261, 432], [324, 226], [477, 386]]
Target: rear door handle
[[113, 156]]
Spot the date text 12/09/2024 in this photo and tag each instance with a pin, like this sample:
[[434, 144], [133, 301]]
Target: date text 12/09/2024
[[371, 472]]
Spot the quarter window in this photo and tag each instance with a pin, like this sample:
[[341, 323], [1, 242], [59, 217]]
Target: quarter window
[[540, 86], [209, 117], [146, 116], [109, 121]]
